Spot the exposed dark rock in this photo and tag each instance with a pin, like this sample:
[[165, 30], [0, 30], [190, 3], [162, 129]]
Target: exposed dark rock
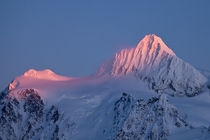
[[144, 119], [25, 116]]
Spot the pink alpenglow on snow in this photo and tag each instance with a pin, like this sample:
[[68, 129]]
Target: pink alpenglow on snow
[[152, 61], [39, 80], [149, 52], [45, 75]]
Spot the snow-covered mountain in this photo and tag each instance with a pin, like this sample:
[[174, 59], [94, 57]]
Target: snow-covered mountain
[[113, 103], [152, 61]]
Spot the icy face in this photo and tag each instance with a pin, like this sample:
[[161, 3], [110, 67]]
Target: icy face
[[153, 62]]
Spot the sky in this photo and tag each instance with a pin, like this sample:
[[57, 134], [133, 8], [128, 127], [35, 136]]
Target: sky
[[74, 37]]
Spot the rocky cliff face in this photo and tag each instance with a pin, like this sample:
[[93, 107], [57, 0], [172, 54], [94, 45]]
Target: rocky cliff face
[[151, 119], [23, 115]]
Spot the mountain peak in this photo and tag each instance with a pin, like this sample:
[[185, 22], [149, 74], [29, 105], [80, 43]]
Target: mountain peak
[[38, 74], [153, 43], [150, 51], [44, 74], [154, 62]]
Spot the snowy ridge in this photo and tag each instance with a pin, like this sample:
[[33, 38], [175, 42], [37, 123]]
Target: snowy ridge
[[152, 61]]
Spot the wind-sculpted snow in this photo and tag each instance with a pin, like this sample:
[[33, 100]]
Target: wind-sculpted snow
[[152, 61], [151, 119], [24, 115]]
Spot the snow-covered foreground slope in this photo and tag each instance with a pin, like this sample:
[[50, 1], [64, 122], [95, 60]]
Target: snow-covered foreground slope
[[113, 103], [94, 108]]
